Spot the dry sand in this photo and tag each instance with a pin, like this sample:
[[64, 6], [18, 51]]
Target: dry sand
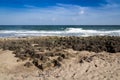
[[103, 66]]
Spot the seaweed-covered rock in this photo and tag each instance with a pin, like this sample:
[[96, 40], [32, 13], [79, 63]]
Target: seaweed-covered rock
[[51, 49]]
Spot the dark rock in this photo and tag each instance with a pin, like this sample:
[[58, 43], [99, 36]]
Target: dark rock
[[81, 61], [49, 54], [60, 58], [63, 56], [28, 64], [37, 56], [43, 66], [44, 58], [35, 62], [87, 59], [56, 63]]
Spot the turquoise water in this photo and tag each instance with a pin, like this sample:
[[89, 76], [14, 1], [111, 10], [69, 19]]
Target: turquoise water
[[58, 30]]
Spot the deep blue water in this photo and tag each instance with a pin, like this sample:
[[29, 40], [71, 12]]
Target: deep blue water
[[58, 27], [59, 30]]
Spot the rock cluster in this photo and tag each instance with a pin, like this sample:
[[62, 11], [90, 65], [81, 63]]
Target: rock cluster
[[46, 52]]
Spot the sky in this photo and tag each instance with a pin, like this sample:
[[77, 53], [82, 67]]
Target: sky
[[59, 12]]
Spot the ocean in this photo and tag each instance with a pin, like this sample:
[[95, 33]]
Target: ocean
[[59, 30]]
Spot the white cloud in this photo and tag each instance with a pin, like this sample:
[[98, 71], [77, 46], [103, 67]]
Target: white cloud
[[81, 12], [62, 14]]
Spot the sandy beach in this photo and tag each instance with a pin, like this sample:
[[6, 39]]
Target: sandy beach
[[60, 58]]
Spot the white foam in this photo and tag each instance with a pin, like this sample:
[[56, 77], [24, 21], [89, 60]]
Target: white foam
[[66, 32], [80, 30]]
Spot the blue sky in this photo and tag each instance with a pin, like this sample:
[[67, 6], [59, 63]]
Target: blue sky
[[59, 12]]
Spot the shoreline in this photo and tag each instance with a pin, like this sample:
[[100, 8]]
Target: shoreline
[[32, 37]]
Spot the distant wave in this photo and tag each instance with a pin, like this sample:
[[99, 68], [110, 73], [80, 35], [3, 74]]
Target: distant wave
[[65, 32], [94, 32]]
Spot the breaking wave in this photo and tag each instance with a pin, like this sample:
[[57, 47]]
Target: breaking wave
[[65, 32]]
